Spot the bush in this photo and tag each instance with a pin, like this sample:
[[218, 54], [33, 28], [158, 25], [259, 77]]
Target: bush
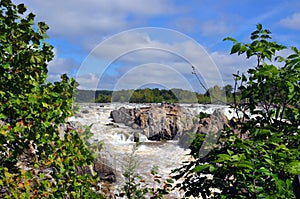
[[257, 156], [35, 161]]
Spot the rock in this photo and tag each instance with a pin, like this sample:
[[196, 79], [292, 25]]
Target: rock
[[212, 125], [123, 115], [85, 111], [164, 122], [99, 167], [71, 125], [136, 137], [103, 170], [112, 125]]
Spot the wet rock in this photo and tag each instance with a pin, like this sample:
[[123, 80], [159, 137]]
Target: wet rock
[[136, 137], [104, 170]]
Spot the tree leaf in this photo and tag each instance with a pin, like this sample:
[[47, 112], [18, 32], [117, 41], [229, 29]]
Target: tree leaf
[[200, 168], [235, 48]]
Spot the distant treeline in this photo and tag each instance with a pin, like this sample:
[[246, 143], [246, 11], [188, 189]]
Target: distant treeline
[[147, 95]]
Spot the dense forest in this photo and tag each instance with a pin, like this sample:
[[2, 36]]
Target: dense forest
[[147, 95]]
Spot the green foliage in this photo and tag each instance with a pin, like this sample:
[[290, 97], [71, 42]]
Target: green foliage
[[213, 95], [35, 161], [256, 156]]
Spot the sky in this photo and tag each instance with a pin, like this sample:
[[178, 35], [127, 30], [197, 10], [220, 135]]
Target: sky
[[131, 44]]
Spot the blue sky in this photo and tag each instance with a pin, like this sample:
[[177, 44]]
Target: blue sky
[[107, 44]]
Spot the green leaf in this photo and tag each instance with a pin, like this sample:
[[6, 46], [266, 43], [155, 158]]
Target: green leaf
[[259, 27], [235, 48], [35, 59], [45, 104], [236, 77], [42, 176], [230, 39], [21, 8], [200, 168], [244, 78], [6, 66], [265, 171], [43, 27], [293, 167], [230, 152], [246, 165], [253, 37], [223, 157], [2, 116]]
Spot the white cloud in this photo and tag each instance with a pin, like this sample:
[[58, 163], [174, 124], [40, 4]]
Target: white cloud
[[231, 64], [88, 81], [140, 49], [214, 27], [292, 22], [84, 23], [93, 19], [59, 66], [152, 73]]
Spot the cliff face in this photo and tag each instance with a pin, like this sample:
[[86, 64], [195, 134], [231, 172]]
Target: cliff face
[[169, 121], [158, 122]]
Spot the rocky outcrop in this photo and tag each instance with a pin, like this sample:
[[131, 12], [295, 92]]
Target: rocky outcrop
[[210, 125], [169, 121], [158, 122]]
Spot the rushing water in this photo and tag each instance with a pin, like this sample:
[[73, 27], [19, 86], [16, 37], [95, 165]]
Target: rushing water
[[118, 140]]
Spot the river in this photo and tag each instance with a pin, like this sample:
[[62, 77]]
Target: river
[[119, 142]]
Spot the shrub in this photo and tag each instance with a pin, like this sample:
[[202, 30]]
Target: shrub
[[35, 161], [258, 155]]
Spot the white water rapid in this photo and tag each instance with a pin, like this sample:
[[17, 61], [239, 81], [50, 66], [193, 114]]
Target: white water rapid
[[118, 140]]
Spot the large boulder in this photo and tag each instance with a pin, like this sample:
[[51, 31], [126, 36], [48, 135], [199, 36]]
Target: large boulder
[[158, 122], [123, 115]]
